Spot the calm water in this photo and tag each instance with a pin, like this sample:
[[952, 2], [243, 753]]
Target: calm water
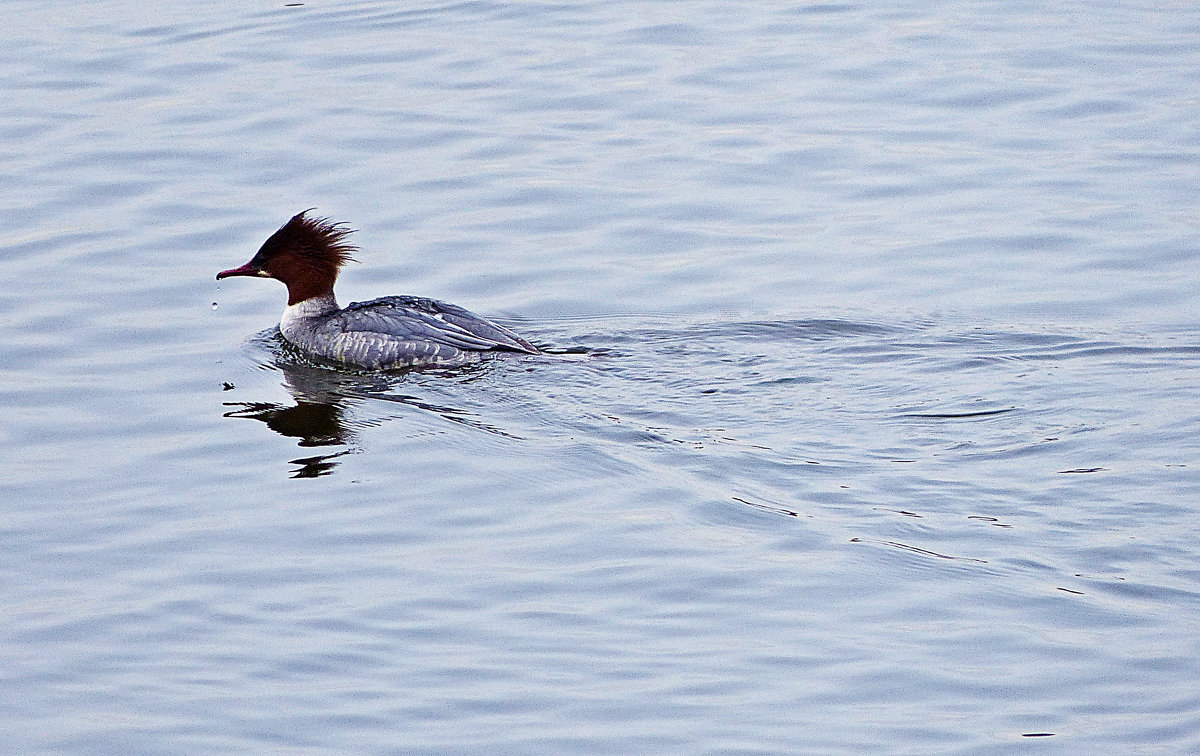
[[871, 424]]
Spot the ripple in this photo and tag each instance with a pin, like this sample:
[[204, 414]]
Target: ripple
[[872, 380]]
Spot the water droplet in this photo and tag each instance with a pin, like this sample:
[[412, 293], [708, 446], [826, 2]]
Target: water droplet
[[214, 305]]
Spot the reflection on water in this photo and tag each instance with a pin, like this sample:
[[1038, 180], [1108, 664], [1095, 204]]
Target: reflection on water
[[318, 417], [314, 423], [325, 398]]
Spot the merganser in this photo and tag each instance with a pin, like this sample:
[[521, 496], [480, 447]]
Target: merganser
[[306, 254]]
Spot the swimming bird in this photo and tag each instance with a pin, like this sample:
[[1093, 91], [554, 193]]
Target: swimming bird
[[307, 253]]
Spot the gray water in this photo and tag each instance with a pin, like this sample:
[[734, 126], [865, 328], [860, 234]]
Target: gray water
[[869, 425]]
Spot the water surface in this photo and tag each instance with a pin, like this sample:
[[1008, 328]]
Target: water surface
[[868, 425]]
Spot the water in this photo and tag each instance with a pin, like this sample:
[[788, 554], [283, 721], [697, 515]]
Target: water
[[870, 423]]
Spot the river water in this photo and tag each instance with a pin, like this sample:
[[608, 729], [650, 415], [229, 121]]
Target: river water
[[869, 422]]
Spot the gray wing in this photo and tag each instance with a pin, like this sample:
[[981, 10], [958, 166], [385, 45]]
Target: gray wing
[[418, 319]]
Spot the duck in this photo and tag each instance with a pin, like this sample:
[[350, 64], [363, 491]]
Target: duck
[[394, 332]]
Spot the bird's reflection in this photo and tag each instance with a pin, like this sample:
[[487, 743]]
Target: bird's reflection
[[314, 423], [318, 418], [324, 399]]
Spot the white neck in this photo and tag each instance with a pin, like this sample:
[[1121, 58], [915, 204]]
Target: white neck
[[313, 307]]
